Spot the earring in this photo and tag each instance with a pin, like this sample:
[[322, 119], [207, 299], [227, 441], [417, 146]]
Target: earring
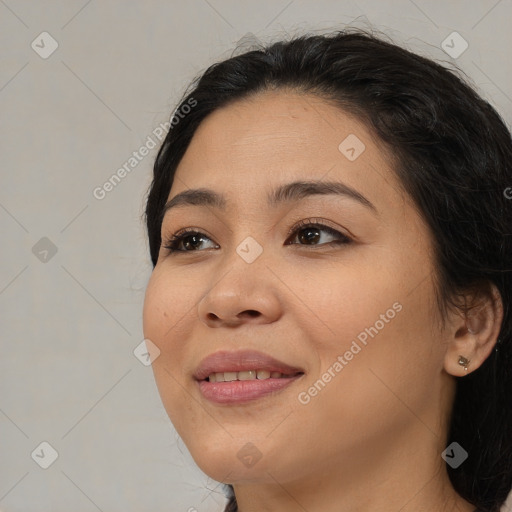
[[464, 362]]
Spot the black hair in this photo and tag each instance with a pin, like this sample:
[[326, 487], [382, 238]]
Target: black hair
[[451, 152]]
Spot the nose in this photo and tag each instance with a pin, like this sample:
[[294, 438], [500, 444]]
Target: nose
[[241, 296]]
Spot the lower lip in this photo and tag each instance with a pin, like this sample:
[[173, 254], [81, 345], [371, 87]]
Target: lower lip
[[239, 391]]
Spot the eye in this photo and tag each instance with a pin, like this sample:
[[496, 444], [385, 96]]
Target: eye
[[190, 238], [308, 233]]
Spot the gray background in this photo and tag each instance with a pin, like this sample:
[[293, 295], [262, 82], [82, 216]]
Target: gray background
[[70, 321]]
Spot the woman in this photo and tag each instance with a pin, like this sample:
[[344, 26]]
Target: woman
[[329, 223]]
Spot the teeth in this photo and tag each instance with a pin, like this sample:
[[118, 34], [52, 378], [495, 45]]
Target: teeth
[[245, 375]]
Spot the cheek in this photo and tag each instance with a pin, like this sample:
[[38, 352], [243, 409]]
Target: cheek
[[166, 322], [152, 314], [380, 322], [379, 385], [339, 302], [169, 298]]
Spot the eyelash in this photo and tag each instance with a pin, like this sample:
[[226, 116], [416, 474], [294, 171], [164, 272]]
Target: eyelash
[[173, 241]]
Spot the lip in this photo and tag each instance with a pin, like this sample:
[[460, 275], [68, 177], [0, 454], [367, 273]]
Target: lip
[[239, 361], [242, 391]]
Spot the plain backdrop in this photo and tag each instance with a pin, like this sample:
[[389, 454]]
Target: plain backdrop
[[83, 84]]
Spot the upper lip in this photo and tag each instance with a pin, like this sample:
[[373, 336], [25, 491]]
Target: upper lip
[[239, 361]]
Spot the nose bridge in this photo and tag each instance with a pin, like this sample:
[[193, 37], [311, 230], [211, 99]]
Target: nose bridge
[[243, 286], [247, 239], [242, 272], [249, 250]]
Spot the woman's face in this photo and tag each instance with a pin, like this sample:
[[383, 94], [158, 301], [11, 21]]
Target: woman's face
[[353, 308]]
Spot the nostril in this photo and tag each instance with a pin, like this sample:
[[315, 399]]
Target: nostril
[[252, 312]]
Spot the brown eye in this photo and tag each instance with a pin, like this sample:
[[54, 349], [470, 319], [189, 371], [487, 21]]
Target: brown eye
[[189, 239], [310, 233]]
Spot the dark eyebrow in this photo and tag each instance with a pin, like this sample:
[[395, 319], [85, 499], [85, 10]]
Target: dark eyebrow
[[284, 193]]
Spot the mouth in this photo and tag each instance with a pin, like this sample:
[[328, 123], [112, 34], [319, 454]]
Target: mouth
[[225, 366], [242, 376], [249, 375]]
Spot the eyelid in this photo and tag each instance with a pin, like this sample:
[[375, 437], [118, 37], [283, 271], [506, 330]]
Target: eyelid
[[318, 220]]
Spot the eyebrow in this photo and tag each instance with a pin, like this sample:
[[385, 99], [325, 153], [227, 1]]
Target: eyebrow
[[284, 193]]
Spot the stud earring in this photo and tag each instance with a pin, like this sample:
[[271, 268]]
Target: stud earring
[[464, 362]]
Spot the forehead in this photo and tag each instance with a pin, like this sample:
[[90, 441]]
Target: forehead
[[274, 137]]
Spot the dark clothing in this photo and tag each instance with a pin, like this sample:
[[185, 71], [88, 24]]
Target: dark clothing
[[232, 506]]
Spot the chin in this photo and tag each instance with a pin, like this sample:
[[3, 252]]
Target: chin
[[229, 461], [227, 468]]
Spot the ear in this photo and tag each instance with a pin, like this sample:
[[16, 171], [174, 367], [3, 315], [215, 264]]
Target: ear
[[474, 332]]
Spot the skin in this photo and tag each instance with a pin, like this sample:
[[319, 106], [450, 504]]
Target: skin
[[372, 438]]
